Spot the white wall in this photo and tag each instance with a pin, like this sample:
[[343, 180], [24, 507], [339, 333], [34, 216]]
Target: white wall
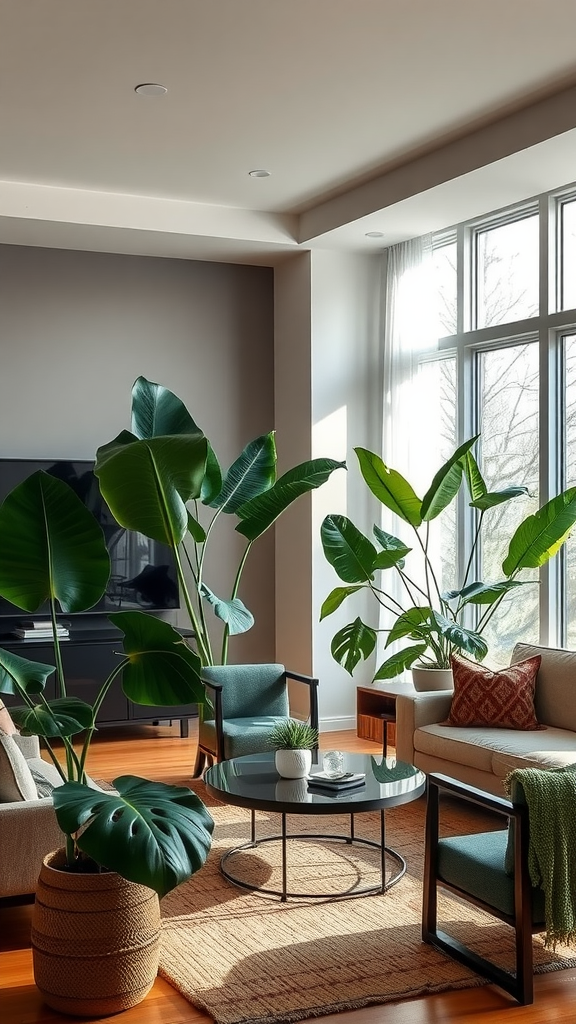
[[77, 328], [328, 394], [346, 410]]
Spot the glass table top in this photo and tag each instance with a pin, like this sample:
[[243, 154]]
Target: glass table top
[[252, 781]]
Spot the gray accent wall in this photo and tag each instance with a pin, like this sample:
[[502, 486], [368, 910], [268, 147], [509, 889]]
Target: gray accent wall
[[77, 328]]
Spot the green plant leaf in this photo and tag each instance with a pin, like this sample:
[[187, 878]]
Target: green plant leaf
[[20, 675], [335, 599], [464, 639], [195, 529], [490, 500], [52, 547], [487, 593], [157, 411], [261, 512], [390, 487], [150, 833], [353, 642], [474, 479], [65, 716], [212, 482], [347, 550], [160, 668], [399, 661], [234, 613], [392, 548], [415, 623], [446, 483], [293, 734], [253, 472], [541, 535], [147, 483]]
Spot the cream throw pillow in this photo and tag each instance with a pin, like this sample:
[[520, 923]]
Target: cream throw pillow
[[16, 782]]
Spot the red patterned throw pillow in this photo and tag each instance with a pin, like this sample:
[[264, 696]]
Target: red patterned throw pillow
[[502, 699]]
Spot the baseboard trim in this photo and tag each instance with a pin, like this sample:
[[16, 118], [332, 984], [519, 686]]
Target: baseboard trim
[[338, 723]]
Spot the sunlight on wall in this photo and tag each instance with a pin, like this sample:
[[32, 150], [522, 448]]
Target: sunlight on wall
[[329, 440]]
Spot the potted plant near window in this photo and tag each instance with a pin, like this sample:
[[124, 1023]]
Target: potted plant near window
[[122, 849], [293, 742], [436, 623]]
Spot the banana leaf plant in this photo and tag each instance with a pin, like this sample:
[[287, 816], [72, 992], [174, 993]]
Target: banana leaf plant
[[53, 549], [163, 479], [435, 623]]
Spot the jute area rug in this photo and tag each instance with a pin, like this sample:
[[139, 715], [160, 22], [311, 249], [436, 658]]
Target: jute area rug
[[246, 958]]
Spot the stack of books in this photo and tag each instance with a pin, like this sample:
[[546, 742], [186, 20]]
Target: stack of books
[[336, 784], [41, 629]]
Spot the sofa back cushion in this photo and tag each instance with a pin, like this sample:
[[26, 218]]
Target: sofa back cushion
[[555, 695], [16, 781]]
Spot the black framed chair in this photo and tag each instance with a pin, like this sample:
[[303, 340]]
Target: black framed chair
[[489, 870], [247, 702]]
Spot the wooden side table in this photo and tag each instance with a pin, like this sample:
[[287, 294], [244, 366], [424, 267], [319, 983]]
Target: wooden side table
[[376, 711]]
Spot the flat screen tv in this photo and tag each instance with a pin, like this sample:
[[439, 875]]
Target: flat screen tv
[[143, 571]]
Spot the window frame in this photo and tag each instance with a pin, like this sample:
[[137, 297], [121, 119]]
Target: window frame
[[547, 329]]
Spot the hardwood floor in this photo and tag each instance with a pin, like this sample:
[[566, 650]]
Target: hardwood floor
[[159, 752]]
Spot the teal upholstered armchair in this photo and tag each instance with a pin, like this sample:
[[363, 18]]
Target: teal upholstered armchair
[[247, 701], [490, 870]]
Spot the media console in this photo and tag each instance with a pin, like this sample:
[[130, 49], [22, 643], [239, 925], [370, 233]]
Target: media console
[[89, 655]]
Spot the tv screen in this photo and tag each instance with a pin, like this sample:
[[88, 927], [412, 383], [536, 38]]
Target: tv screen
[[143, 571]]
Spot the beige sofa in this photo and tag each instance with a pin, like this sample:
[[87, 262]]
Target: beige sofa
[[483, 757], [28, 826]]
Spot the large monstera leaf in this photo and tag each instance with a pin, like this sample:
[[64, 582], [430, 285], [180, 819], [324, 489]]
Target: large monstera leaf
[[148, 482], [351, 643], [149, 832], [160, 668], [20, 675], [51, 547]]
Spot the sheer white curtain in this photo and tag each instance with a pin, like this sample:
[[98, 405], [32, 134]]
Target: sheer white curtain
[[410, 328]]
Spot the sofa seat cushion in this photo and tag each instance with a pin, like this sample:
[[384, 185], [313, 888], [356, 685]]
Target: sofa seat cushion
[[554, 748], [497, 750]]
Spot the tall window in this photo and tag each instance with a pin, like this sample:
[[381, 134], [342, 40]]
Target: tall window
[[505, 367]]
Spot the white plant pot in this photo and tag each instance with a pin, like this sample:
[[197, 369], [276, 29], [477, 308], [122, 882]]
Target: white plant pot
[[425, 678], [293, 764]]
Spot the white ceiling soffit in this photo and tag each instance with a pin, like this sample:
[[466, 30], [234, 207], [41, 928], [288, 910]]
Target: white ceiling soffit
[[372, 115]]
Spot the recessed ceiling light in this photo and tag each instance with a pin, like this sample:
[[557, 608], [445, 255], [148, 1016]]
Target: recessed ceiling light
[[150, 89], [259, 173], [374, 234]]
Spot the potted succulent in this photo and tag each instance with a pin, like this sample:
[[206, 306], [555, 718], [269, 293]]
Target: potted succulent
[[435, 623], [293, 742], [163, 479], [136, 842]]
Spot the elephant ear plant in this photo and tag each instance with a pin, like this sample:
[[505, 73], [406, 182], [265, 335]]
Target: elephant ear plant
[[435, 623], [163, 479], [52, 549]]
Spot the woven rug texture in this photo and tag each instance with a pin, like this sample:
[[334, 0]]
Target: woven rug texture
[[246, 958]]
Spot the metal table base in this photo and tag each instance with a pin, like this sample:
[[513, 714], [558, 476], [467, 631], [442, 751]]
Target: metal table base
[[349, 840]]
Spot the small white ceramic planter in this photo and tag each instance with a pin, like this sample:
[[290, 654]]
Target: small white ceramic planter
[[293, 764], [432, 678]]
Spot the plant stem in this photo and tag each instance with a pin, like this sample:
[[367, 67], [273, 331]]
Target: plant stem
[[224, 655], [202, 640]]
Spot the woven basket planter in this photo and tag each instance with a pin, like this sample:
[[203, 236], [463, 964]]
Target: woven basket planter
[[95, 940]]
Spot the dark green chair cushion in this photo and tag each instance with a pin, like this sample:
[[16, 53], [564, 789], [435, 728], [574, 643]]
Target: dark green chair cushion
[[242, 735], [476, 863], [250, 690]]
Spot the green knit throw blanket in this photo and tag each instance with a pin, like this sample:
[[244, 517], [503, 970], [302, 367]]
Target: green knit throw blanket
[[551, 800]]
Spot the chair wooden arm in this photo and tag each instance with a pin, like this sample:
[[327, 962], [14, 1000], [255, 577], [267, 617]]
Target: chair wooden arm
[[312, 682], [470, 794], [218, 717]]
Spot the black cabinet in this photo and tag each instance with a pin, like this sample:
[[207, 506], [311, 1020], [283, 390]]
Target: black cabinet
[[89, 656]]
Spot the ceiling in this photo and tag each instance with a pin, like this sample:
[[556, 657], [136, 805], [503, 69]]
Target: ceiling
[[396, 116]]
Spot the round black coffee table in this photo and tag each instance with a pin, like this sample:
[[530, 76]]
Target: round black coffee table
[[253, 782]]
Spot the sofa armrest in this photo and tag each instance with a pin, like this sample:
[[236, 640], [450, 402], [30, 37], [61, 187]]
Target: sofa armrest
[[29, 745], [414, 711]]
